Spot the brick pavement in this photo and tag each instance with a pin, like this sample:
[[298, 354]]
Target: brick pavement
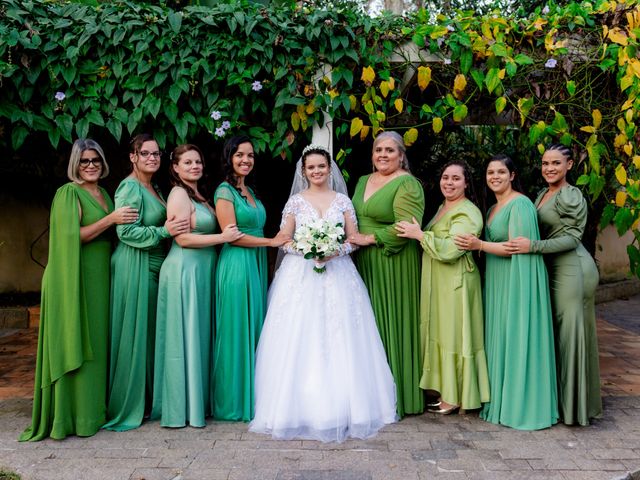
[[418, 447]]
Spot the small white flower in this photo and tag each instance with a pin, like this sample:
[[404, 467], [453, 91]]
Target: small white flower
[[551, 63], [256, 86], [451, 28], [545, 10], [447, 61], [440, 41], [226, 124], [219, 132], [216, 115], [60, 96]]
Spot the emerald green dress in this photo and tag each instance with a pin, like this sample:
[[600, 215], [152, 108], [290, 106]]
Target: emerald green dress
[[518, 327], [573, 280], [241, 302], [135, 266], [451, 321], [182, 368], [391, 271], [71, 366]]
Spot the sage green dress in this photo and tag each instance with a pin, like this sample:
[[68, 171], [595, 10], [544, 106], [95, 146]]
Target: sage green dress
[[518, 326], [241, 303], [135, 265], [451, 320], [573, 279], [71, 366], [391, 271], [182, 368]]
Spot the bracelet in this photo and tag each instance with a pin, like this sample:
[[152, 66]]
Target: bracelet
[[481, 243]]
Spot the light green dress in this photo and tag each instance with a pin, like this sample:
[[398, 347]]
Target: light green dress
[[391, 271], [451, 321], [518, 327], [241, 302], [71, 366], [135, 266], [183, 331], [573, 279]]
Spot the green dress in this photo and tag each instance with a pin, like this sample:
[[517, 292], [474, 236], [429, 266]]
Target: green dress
[[391, 271], [451, 321], [71, 366], [518, 327], [573, 280], [183, 331], [241, 303], [135, 266]]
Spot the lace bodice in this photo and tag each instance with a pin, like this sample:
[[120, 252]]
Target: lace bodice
[[304, 212]]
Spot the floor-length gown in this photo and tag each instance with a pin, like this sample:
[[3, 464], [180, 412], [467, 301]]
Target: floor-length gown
[[391, 271], [452, 323], [241, 300], [71, 375], [518, 327], [135, 265], [182, 368], [573, 280], [321, 369]]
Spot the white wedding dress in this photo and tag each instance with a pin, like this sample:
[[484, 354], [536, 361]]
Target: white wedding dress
[[321, 370]]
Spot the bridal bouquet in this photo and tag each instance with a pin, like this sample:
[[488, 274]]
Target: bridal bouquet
[[319, 239]]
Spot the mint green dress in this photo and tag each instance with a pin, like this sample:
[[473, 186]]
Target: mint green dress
[[241, 302], [182, 368], [70, 385], [518, 327], [573, 279], [135, 265], [451, 320], [391, 271]]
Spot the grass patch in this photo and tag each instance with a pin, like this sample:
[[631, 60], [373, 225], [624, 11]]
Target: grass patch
[[7, 475]]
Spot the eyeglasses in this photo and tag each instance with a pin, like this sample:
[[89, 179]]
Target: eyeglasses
[[147, 154], [95, 161]]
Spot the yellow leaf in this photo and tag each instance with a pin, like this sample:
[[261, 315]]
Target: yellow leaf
[[364, 132], [620, 140], [636, 161], [368, 75], [424, 77], [628, 104], [486, 30], [618, 36], [353, 101], [630, 20], [629, 115], [605, 31], [635, 66], [333, 93], [501, 73], [295, 121], [540, 148], [392, 83], [384, 88], [621, 174], [437, 125], [311, 108], [399, 104], [588, 129], [622, 126], [459, 84], [628, 149], [410, 136], [501, 103], [539, 23], [376, 129], [356, 126], [621, 198], [381, 116], [597, 118]]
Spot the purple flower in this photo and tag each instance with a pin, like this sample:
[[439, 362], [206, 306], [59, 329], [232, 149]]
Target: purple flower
[[256, 86], [545, 10], [60, 96], [551, 63], [219, 132], [216, 115], [226, 124]]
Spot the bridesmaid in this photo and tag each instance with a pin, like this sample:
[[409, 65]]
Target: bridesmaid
[[451, 321], [241, 286], [185, 299], [518, 323], [390, 265], [134, 287], [562, 214], [71, 375]]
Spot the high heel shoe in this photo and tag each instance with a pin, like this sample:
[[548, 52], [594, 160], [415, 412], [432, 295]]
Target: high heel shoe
[[446, 411]]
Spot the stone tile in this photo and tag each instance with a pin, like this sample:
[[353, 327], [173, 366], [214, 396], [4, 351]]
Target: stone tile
[[553, 464], [323, 475], [422, 455]]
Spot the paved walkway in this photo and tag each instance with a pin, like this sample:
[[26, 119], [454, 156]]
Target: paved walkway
[[422, 447]]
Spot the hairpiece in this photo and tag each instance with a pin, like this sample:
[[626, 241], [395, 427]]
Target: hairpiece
[[314, 146]]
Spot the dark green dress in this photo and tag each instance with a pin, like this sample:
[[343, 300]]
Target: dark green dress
[[391, 271], [71, 367], [573, 279]]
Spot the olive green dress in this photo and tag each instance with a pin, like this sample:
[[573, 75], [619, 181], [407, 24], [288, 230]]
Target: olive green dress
[[391, 271], [71, 366], [573, 279], [451, 320], [135, 265]]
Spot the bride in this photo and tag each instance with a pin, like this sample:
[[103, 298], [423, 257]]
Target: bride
[[321, 369]]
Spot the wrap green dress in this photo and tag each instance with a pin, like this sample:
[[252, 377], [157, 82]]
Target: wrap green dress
[[135, 265], [573, 279], [71, 366], [518, 326], [241, 303], [451, 320], [391, 271], [182, 368]]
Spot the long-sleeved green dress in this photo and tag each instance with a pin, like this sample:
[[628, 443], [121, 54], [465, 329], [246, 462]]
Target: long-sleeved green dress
[[135, 265], [71, 366], [391, 271], [451, 320], [241, 304], [518, 327], [573, 279]]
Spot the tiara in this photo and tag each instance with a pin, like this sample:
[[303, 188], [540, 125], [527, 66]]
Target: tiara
[[314, 146]]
